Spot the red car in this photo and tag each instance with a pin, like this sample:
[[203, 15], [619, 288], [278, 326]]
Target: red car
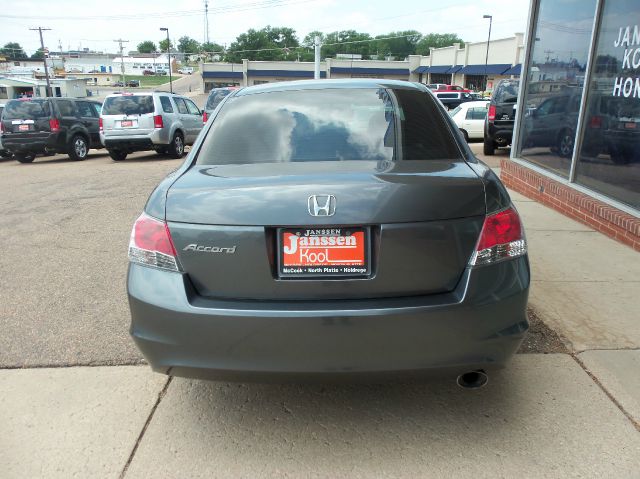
[[443, 87]]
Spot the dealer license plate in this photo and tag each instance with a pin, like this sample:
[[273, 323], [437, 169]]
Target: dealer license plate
[[24, 127], [126, 123], [339, 251]]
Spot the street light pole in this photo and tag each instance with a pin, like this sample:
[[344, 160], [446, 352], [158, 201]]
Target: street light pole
[[486, 58], [164, 29]]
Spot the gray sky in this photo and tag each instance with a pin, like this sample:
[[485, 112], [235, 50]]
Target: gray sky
[[100, 22]]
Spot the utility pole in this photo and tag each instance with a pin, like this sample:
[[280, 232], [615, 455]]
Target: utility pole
[[206, 21], [120, 41], [44, 57], [317, 45]]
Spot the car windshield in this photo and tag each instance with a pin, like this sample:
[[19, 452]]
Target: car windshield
[[26, 110], [215, 97], [128, 105], [327, 125], [455, 111]]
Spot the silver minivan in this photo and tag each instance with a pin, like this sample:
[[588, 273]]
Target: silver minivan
[[158, 121]]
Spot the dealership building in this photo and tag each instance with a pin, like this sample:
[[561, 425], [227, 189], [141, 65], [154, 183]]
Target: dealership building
[[577, 135]]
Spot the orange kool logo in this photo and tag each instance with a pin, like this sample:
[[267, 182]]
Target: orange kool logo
[[323, 250]]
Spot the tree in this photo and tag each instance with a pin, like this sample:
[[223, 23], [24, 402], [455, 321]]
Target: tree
[[147, 47], [269, 43], [38, 55], [211, 47], [437, 40], [164, 44], [341, 42], [188, 45], [400, 47], [13, 51]]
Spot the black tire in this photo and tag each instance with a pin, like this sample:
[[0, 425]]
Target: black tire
[[24, 158], [176, 148], [5, 154], [161, 150], [78, 148], [465, 134], [118, 155], [620, 156], [565, 143], [489, 148]]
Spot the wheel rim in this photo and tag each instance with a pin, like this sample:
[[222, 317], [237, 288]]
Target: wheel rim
[[179, 145], [80, 147], [566, 145]]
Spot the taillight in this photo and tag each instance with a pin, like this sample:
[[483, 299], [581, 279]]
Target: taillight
[[205, 117], [1, 127], [491, 114], [100, 125], [502, 237], [595, 122], [157, 121], [54, 125], [151, 244]]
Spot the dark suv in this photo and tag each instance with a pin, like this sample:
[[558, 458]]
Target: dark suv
[[498, 126], [49, 126]]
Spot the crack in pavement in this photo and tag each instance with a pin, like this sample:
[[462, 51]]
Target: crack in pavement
[[161, 395], [635, 423]]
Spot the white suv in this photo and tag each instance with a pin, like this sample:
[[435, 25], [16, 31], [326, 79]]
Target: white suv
[[158, 121]]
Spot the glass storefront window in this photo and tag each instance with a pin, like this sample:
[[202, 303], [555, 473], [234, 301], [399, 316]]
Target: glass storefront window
[[609, 160], [555, 83]]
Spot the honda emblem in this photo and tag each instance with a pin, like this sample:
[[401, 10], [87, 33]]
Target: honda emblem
[[322, 205]]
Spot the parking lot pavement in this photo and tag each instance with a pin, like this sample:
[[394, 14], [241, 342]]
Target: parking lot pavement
[[542, 417], [72, 422], [64, 230]]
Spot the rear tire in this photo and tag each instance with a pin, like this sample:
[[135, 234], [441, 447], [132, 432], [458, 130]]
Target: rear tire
[[25, 158], [465, 134], [489, 148], [565, 143], [176, 148], [117, 155], [78, 148], [161, 150], [5, 154]]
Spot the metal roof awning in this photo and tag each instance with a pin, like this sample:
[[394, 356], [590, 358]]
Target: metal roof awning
[[482, 69], [454, 69], [515, 70], [439, 68], [371, 71], [222, 75], [423, 69], [285, 73]]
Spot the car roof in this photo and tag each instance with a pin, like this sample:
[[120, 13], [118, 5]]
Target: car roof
[[471, 104], [329, 84]]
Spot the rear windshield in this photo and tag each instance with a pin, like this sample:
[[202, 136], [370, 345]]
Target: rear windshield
[[215, 97], [328, 125], [507, 92], [26, 110], [128, 105]]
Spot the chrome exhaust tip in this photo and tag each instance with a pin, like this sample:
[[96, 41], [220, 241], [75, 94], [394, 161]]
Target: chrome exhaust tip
[[473, 379]]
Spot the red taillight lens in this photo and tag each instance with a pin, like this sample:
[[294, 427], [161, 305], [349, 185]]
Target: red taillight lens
[[502, 237], [100, 125], [205, 117], [1, 127], [595, 122], [54, 124], [491, 114], [157, 121], [151, 244]]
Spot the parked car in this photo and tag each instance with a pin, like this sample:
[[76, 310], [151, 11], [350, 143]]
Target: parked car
[[118, 84], [470, 117], [435, 86], [498, 126], [186, 70], [49, 126], [158, 121], [3, 153], [300, 239], [442, 87], [161, 73], [133, 83], [452, 99], [216, 95], [148, 72]]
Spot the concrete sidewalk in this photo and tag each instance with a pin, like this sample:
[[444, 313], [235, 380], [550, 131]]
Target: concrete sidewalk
[[553, 415]]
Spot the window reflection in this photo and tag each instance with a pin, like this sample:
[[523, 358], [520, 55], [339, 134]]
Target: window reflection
[[555, 83], [609, 159]]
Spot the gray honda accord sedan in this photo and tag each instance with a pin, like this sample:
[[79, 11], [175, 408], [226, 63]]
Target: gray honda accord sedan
[[329, 228]]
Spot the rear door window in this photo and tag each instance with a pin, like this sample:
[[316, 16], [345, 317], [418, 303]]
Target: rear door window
[[128, 105], [66, 108], [85, 109], [182, 108], [476, 113], [167, 107], [26, 110]]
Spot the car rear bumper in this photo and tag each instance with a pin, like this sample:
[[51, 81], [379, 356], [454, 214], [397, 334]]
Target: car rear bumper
[[133, 142], [500, 134], [34, 144], [480, 325]]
